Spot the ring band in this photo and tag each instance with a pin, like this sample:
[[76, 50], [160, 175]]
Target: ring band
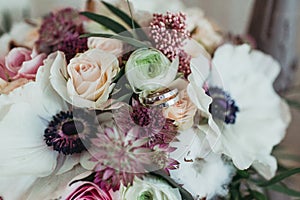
[[167, 103], [161, 97]]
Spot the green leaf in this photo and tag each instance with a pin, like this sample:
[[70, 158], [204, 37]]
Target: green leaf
[[285, 190], [293, 103], [119, 75], [279, 178], [128, 20], [243, 174], [128, 40], [162, 174], [108, 23], [258, 195]]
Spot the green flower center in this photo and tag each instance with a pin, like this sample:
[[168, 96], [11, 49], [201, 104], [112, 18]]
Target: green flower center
[[152, 64], [146, 195]]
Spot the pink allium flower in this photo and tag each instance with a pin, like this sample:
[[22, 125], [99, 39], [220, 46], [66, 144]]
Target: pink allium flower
[[23, 63], [87, 190], [61, 31], [168, 33]]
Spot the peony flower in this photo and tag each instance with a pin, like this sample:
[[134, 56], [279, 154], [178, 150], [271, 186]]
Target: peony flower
[[150, 188], [201, 172], [33, 147], [149, 69], [183, 111], [83, 190], [106, 44], [23, 63], [87, 80], [252, 118]]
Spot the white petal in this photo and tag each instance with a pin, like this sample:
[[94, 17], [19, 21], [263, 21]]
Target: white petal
[[14, 187], [266, 165], [57, 64], [52, 187], [22, 148]]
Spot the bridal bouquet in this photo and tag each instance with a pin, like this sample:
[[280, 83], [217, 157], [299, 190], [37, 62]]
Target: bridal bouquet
[[115, 103]]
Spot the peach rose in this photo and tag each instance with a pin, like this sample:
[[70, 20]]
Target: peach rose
[[182, 112], [106, 44], [86, 81]]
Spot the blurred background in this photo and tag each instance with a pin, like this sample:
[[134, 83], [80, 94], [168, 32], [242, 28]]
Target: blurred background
[[274, 23]]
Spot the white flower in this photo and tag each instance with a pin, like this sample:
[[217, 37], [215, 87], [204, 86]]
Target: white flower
[[25, 114], [200, 67], [149, 69], [202, 173], [150, 188], [262, 116]]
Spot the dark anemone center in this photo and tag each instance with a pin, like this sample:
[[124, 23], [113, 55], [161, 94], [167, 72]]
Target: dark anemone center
[[72, 127], [223, 107]]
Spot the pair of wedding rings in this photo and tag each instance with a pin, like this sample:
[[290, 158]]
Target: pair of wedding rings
[[162, 98]]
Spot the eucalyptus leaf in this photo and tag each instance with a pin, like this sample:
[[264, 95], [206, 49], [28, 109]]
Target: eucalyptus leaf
[[128, 20], [128, 40], [278, 178], [293, 103], [258, 195], [285, 190], [108, 23]]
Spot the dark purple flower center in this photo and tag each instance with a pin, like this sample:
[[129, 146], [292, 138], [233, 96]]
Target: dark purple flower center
[[223, 107], [68, 134]]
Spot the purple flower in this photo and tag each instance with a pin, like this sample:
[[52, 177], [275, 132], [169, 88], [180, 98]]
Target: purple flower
[[61, 31]]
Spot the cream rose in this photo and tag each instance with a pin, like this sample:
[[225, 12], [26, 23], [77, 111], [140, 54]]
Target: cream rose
[[150, 188], [87, 80], [182, 112], [106, 44]]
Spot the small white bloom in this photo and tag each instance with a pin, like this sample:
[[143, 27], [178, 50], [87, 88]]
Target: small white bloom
[[150, 188], [201, 172]]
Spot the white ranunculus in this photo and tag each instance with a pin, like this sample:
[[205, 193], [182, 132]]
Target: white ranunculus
[[87, 80], [150, 188], [263, 117], [149, 70], [201, 172]]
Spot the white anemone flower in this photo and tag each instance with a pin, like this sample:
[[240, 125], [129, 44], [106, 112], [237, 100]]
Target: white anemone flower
[[25, 114], [251, 116]]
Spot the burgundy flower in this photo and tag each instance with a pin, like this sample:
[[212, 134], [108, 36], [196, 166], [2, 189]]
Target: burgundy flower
[[61, 31], [150, 122]]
